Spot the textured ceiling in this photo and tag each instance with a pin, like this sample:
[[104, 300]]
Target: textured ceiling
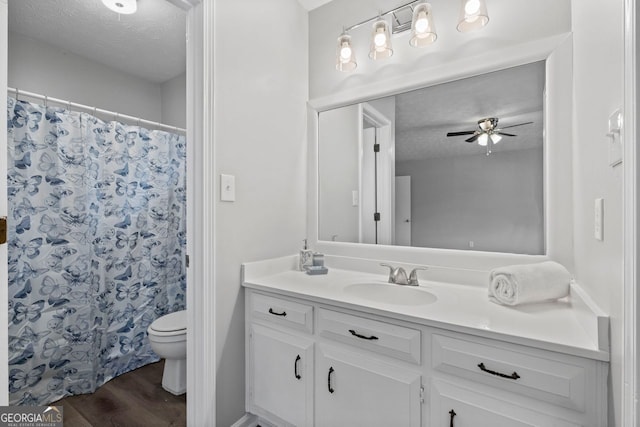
[[149, 43], [424, 116]]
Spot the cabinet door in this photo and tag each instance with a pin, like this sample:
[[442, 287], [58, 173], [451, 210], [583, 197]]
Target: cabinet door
[[354, 389], [281, 376], [453, 406]]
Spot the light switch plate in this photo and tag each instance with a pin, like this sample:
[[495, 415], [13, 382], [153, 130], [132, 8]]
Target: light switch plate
[[227, 188]]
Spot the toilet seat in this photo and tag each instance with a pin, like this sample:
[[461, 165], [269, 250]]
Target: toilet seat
[[170, 325]]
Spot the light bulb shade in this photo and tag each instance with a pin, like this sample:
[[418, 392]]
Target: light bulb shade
[[483, 139], [380, 41], [495, 138], [345, 55], [124, 7], [473, 15], [423, 31]]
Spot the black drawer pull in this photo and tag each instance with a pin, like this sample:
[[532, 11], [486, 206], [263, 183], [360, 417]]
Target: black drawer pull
[[331, 390], [355, 334], [295, 368], [284, 313], [453, 414], [513, 376]]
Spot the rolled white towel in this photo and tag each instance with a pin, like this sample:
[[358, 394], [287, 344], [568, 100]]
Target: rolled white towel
[[519, 284]]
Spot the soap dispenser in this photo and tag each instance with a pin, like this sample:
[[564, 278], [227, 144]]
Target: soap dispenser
[[306, 256]]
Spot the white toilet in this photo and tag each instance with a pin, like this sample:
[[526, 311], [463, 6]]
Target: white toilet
[[168, 337]]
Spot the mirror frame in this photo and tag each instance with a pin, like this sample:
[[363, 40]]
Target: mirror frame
[[557, 52]]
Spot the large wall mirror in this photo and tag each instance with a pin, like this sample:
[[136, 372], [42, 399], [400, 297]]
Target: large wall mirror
[[458, 165]]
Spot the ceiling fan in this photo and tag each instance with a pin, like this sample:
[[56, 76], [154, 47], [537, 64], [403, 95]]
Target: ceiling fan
[[488, 130]]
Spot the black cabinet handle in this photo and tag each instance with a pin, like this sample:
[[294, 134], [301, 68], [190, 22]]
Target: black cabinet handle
[[331, 390], [295, 368], [355, 334], [284, 313], [453, 414], [513, 376]]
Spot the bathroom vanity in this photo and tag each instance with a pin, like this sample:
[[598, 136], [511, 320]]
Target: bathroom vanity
[[347, 349]]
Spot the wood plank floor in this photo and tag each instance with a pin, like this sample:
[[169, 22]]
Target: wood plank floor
[[130, 400]]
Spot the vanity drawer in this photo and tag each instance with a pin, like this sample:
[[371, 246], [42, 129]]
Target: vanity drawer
[[282, 311], [523, 370], [384, 338]]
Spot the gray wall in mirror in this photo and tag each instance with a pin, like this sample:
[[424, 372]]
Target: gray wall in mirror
[[460, 197]]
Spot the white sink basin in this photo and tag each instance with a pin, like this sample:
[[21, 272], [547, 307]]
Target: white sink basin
[[391, 294]]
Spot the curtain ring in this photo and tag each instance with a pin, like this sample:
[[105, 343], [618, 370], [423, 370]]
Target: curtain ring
[[17, 94], [95, 111], [46, 100], [69, 105], [138, 121]]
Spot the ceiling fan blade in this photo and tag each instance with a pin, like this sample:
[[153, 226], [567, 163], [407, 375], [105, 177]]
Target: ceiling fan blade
[[519, 124], [473, 138], [467, 132], [505, 134]]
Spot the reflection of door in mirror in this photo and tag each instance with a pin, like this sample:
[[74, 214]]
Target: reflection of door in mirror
[[357, 205], [403, 210], [376, 177]]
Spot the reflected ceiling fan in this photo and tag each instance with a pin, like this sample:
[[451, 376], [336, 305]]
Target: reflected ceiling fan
[[488, 132]]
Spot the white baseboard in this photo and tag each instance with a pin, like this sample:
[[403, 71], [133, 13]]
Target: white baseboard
[[250, 420]]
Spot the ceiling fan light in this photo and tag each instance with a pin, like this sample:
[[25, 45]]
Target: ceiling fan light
[[345, 55], [380, 41], [485, 124], [483, 139], [123, 7], [423, 30], [473, 15], [495, 138]]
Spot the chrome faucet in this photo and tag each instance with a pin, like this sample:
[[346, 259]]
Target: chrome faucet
[[398, 275]]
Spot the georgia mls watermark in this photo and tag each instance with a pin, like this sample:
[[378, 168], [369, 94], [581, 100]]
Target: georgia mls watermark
[[31, 416]]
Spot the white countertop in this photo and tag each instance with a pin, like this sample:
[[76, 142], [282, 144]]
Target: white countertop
[[558, 326]]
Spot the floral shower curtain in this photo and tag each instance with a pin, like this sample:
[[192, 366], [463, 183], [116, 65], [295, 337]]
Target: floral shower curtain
[[97, 234]]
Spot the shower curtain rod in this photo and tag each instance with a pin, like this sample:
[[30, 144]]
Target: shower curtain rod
[[95, 110]]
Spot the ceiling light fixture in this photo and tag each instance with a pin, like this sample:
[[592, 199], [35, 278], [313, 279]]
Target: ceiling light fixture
[[380, 41], [423, 31], [473, 15], [123, 7], [345, 56], [415, 16]]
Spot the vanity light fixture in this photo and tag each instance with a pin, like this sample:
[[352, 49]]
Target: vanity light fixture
[[380, 41], [423, 31], [345, 56], [123, 7], [473, 15], [416, 16]]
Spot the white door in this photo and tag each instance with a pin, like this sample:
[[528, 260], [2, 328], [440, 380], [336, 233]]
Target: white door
[[353, 389], [403, 210], [281, 378]]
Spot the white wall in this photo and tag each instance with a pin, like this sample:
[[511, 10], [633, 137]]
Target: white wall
[[260, 91], [598, 91], [455, 200], [174, 101], [38, 67]]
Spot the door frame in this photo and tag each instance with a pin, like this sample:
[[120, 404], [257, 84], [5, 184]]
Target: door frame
[[201, 193], [631, 227]]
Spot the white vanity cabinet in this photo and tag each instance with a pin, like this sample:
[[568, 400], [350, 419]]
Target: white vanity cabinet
[[279, 361], [375, 370]]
